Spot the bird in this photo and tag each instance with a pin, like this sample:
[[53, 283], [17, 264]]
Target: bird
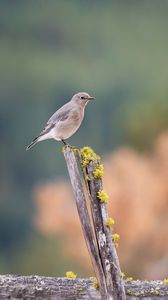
[[65, 121]]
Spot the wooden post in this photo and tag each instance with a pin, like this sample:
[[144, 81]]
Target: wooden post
[[99, 238], [76, 182], [103, 233]]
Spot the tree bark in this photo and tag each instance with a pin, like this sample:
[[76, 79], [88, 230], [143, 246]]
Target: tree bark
[[51, 288]]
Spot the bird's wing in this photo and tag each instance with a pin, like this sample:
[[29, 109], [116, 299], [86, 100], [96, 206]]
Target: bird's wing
[[60, 115], [46, 129]]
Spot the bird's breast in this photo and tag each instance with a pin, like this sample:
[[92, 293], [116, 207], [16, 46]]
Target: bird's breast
[[65, 129]]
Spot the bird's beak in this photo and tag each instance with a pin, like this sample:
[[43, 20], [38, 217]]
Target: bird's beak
[[90, 98]]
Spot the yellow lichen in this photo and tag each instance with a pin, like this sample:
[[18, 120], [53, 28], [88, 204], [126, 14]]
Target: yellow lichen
[[129, 279], [87, 177], [98, 172], [122, 275], [63, 149], [116, 238], [74, 149], [95, 283], [102, 195], [88, 155], [165, 280], [110, 222], [70, 274]]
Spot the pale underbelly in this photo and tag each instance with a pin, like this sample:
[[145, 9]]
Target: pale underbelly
[[64, 131]]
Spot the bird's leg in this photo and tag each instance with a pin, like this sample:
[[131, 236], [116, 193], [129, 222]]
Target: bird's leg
[[64, 143]]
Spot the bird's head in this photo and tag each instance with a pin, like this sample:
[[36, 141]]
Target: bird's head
[[82, 98]]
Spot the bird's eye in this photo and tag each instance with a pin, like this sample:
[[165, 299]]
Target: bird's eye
[[82, 97]]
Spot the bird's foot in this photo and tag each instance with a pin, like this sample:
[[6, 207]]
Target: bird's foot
[[74, 149]]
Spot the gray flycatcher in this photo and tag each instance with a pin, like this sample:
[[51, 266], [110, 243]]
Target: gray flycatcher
[[65, 121]]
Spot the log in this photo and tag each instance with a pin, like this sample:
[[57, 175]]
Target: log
[[51, 288]]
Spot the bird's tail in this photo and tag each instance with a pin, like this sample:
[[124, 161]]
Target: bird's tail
[[34, 141]]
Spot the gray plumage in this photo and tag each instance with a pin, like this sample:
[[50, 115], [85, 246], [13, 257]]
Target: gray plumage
[[65, 121]]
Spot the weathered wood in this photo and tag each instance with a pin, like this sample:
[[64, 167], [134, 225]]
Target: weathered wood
[[98, 225], [37, 287], [106, 247], [103, 233], [75, 178]]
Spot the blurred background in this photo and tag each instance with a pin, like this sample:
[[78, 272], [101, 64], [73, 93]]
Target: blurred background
[[116, 51]]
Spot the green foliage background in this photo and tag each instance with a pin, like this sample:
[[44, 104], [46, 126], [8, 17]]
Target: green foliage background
[[116, 51]]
